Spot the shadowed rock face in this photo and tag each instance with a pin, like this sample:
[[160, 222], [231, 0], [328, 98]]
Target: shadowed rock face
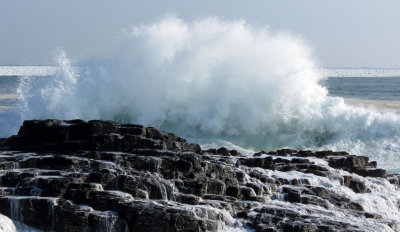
[[105, 176]]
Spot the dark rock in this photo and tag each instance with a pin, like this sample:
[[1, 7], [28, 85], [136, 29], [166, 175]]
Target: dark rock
[[371, 172], [372, 164], [299, 227], [241, 192], [266, 163], [106, 176], [348, 161], [258, 189], [235, 153], [319, 191], [314, 200], [223, 151], [293, 197], [106, 142], [264, 228], [132, 130], [300, 161], [10, 179], [281, 161], [3, 142], [286, 152], [305, 153], [188, 199], [393, 179], [288, 168], [355, 185]]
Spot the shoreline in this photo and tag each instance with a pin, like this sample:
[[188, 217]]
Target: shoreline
[[382, 105]]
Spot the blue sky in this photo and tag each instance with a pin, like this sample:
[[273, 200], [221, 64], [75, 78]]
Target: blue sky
[[342, 33]]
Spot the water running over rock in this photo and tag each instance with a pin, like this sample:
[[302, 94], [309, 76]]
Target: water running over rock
[[106, 176]]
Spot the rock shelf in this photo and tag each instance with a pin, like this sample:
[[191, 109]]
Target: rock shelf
[[105, 176]]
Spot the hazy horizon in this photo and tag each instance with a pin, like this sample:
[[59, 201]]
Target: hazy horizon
[[342, 34]]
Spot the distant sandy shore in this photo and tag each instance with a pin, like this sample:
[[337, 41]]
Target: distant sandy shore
[[8, 96], [378, 105]]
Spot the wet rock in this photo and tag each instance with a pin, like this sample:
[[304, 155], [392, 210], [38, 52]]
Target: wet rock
[[155, 187], [293, 196], [29, 210], [286, 152], [130, 129], [146, 217], [300, 161], [241, 192], [71, 217], [371, 172], [106, 176], [281, 161], [258, 189], [348, 161], [223, 151], [187, 199], [235, 153], [10, 179], [106, 142], [266, 163], [307, 153], [287, 168], [319, 191], [299, 227], [314, 200], [356, 185], [393, 179], [74, 135]]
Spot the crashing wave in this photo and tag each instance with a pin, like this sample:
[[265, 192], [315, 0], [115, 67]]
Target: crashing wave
[[211, 78]]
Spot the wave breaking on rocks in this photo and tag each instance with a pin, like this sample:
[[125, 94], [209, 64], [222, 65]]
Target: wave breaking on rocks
[[105, 176]]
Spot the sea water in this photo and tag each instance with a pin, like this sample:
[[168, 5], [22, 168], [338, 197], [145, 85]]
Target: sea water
[[218, 83]]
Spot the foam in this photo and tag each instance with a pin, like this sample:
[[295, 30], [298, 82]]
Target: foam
[[382, 199], [361, 72], [27, 70], [6, 224]]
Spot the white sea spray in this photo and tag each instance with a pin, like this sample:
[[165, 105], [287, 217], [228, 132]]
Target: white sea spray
[[211, 78]]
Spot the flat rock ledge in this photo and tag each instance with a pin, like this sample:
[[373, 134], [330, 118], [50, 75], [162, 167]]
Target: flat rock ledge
[[106, 176]]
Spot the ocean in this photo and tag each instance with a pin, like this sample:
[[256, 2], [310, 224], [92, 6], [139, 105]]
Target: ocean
[[218, 84]]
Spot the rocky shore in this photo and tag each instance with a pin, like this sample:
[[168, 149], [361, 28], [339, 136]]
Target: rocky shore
[[105, 176]]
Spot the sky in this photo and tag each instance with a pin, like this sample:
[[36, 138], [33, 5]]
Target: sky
[[341, 33]]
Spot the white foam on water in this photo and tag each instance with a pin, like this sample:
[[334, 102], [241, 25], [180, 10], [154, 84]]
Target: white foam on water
[[383, 199], [6, 224], [361, 72], [27, 70]]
